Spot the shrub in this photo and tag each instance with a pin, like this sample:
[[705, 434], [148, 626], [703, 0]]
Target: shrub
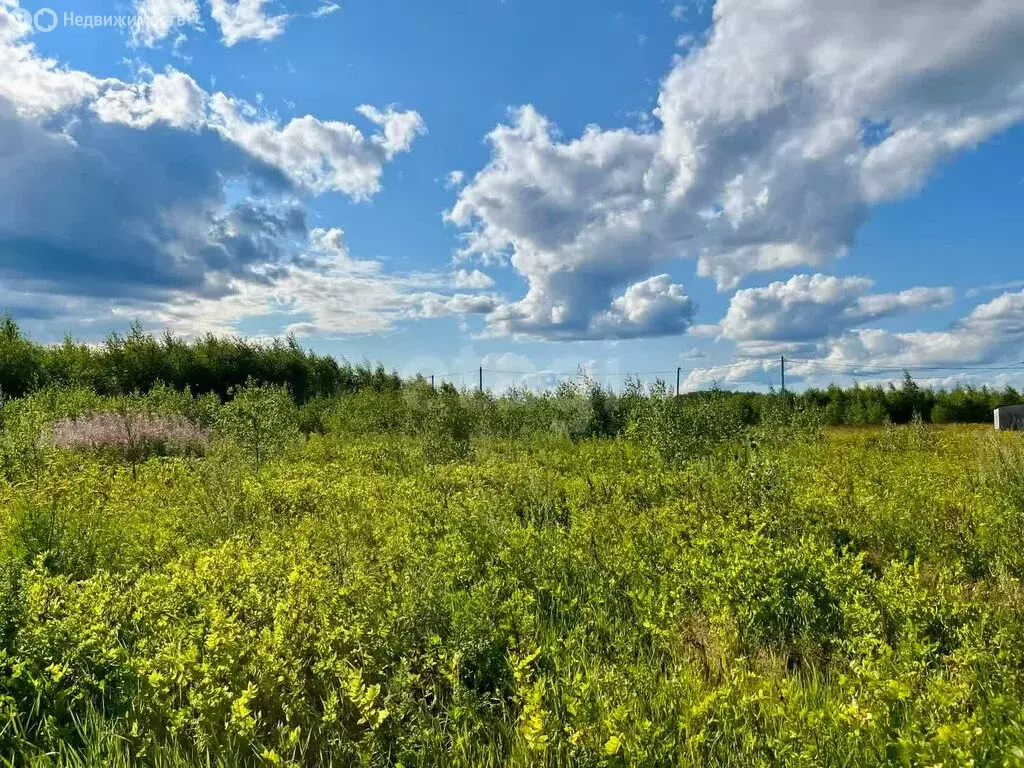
[[794, 602], [369, 412], [446, 428], [130, 433], [262, 420], [684, 428], [24, 421]]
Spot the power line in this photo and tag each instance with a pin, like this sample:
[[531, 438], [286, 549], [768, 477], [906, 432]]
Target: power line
[[575, 373], [854, 370]]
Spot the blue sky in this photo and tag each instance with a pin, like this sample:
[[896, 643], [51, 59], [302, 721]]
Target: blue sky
[[527, 185]]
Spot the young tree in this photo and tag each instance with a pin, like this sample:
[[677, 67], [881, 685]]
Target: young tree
[[262, 420]]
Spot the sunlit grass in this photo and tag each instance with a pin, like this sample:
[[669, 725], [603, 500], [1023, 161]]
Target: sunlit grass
[[776, 595]]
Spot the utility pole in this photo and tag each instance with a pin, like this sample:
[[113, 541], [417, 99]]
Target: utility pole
[[783, 374], [481, 379], [679, 372], [432, 381]]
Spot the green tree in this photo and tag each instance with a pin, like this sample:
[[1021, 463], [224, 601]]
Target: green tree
[[261, 419]]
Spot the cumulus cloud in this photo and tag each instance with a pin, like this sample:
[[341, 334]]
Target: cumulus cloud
[[35, 85], [317, 155], [237, 20], [992, 332], [777, 135], [400, 128], [172, 98], [432, 305], [156, 19], [321, 156], [812, 307], [246, 20], [185, 208], [471, 280], [747, 372], [653, 307], [546, 202]]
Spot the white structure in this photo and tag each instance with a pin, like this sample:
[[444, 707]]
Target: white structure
[[1010, 417]]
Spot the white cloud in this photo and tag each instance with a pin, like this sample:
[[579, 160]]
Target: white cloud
[[778, 134], [109, 219], [432, 305], [321, 156], [991, 332], [172, 98], [35, 85], [757, 372], [655, 306], [652, 307], [471, 280], [400, 128], [455, 179], [812, 307], [156, 19], [238, 20], [325, 9], [548, 202], [246, 20]]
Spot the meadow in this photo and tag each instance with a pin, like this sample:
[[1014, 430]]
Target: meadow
[[423, 577]]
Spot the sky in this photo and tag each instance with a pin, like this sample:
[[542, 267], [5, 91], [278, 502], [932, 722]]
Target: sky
[[534, 187]]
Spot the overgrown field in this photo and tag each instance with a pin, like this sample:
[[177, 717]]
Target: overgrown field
[[383, 583]]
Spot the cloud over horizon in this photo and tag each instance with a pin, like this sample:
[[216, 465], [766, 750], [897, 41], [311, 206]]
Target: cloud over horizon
[[717, 217], [775, 139], [162, 196]]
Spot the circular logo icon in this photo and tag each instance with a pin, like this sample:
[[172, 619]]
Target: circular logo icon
[[45, 19], [22, 16]]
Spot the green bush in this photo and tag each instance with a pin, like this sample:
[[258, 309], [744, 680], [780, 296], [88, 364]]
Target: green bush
[[446, 428], [681, 429], [261, 420]]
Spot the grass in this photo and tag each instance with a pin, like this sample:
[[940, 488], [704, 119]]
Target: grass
[[441, 596]]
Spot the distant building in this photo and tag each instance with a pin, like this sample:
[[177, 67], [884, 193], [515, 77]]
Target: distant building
[[1010, 417]]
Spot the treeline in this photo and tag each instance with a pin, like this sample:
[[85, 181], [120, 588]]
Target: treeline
[[899, 404], [137, 362], [879, 404]]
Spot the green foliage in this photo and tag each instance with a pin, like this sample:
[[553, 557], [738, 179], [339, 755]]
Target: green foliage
[[681, 429], [446, 427], [436, 577], [24, 422], [138, 362], [875, 405], [261, 420]]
